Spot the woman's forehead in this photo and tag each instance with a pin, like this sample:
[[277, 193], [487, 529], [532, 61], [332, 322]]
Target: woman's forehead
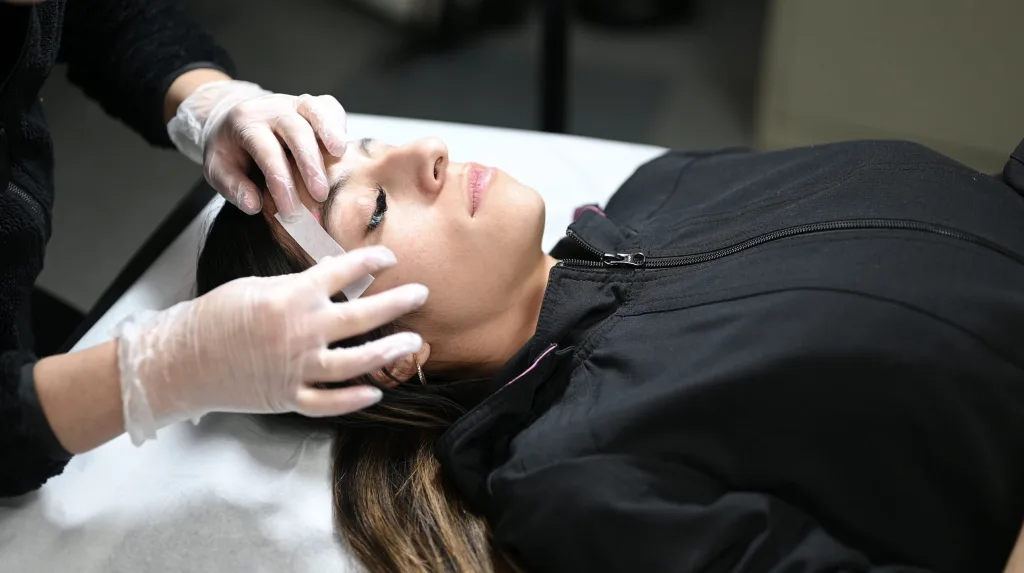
[[354, 160]]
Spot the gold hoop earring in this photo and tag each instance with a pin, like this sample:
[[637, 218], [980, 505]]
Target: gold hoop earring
[[419, 370]]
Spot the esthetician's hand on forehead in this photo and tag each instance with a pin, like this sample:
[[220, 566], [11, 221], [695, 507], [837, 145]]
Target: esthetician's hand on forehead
[[230, 125], [348, 163]]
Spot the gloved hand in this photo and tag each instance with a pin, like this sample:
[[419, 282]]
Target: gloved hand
[[257, 344], [226, 125]]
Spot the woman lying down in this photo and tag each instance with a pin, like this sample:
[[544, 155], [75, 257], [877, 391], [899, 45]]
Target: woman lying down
[[807, 360]]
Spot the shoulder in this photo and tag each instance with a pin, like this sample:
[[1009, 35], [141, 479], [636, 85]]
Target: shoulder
[[728, 160], [717, 168]]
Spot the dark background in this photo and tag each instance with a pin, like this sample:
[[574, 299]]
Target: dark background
[[687, 83]]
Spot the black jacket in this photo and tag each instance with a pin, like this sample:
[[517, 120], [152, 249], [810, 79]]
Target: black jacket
[[807, 360], [122, 53]]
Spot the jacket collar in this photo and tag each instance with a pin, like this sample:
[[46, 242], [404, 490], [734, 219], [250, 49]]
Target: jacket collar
[[1013, 171], [575, 301], [564, 307], [593, 227]]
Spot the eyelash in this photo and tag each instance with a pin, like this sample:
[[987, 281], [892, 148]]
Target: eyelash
[[378, 212]]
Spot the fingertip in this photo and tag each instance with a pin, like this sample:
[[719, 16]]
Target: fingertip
[[338, 402], [418, 294], [318, 191], [409, 342], [286, 212], [336, 145], [247, 198], [251, 203], [380, 256], [285, 198], [351, 399], [368, 395], [311, 166]]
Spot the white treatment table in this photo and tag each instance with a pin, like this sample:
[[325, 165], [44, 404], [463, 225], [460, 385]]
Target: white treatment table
[[233, 493]]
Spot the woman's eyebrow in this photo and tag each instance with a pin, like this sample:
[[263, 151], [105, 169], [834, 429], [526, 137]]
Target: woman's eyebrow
[[336, 188], [339, 185]]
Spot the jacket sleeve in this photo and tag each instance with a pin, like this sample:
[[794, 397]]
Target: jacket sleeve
[[126, 53], [613, 513], [29, 451]]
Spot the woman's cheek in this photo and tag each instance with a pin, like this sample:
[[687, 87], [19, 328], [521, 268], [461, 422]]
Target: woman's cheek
[[388, 279]]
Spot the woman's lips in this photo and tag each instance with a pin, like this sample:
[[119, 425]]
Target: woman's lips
[[478, 180]]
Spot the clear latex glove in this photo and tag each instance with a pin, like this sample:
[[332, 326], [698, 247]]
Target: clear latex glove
[[257, 345], [228, 125]]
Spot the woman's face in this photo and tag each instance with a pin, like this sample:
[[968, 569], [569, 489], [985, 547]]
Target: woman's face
[[471, 233]]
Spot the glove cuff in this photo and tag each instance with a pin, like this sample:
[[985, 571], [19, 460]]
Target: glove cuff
[[202, 110], [145, 356], [139, 421]]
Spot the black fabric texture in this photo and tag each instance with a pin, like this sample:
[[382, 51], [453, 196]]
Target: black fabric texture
[[122, 53], [837, 400], [1013, 172]]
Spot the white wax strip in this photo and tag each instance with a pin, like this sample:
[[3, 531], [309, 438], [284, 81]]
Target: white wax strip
[[313, 239]]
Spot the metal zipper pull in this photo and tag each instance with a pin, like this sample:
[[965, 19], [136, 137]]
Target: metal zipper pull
[[623, 259]]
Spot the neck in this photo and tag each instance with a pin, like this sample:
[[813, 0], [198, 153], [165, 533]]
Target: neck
[[520, 322], [530, 307]]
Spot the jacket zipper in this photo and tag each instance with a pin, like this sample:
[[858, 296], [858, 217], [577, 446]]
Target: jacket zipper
[[639, 260], [33, 205]]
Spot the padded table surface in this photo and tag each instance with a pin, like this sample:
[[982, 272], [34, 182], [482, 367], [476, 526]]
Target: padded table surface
[[235, 493]]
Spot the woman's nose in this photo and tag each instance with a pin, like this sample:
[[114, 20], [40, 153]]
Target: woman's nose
[[432, 164]]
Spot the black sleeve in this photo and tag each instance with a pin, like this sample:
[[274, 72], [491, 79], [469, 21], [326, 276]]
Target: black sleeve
[[616, 513], [29, 452], [126, 53]]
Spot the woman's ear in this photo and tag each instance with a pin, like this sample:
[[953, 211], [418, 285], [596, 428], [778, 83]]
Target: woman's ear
[[405, 370]]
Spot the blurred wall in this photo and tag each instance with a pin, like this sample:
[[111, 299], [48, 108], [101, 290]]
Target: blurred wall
[[946, 73]]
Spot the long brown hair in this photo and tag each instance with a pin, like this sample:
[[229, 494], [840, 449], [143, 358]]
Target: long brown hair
[[393, 506], [392, 503]]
